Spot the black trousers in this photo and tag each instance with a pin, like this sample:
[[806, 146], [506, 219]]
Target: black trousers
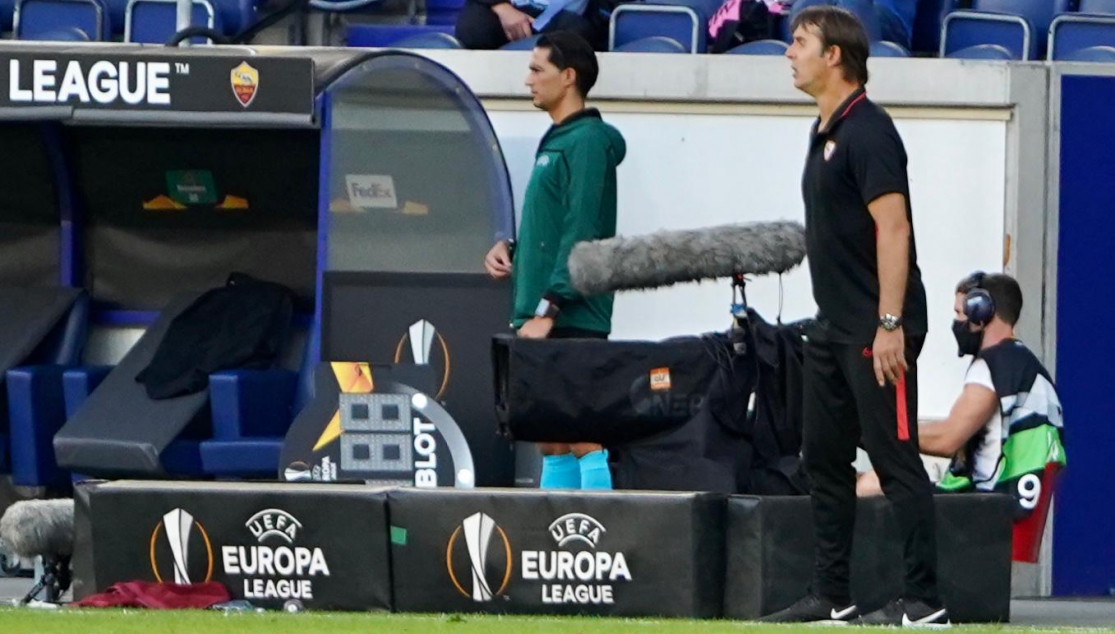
[[478, 27], [844, 405]]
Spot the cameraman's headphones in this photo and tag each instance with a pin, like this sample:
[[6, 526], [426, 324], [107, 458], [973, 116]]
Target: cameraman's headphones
[[978, 305]]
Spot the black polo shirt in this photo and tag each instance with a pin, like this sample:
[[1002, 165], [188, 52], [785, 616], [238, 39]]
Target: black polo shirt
[[859, 158]]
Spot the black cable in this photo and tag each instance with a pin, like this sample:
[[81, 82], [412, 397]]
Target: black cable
[[198, 31]]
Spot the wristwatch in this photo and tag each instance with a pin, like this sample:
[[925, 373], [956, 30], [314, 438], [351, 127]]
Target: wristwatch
[[889, 322], [546, 308]]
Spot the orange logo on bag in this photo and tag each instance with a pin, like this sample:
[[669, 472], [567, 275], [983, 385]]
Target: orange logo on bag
[[660, 379], [245, 83]]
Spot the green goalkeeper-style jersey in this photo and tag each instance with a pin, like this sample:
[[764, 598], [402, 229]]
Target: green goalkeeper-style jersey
[[1024, 436]]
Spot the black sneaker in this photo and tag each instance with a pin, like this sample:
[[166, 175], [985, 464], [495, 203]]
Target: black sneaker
[[814, 609], [907, 614]]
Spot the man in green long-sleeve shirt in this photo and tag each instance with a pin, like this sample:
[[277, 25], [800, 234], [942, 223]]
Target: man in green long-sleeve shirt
[[571, 198]]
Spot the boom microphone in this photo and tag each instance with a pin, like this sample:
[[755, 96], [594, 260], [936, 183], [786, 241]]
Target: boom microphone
[[39, 527], [666, 258]]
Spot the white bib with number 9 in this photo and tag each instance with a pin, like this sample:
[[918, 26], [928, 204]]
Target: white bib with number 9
[[1029, 491]]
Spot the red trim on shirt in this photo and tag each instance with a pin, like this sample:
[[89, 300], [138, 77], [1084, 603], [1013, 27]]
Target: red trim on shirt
[[858, 99]]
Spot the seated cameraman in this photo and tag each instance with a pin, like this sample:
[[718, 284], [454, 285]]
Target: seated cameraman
[[1004, 433]]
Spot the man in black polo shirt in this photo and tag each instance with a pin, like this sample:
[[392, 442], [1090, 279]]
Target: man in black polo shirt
[[860, 375]]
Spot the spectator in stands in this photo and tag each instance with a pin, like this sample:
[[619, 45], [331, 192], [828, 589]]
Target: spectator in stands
[[490, 24], [571, 198], [1004, 431], [889, 20]]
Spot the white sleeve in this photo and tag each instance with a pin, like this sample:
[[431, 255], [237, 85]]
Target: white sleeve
[[979, 374]]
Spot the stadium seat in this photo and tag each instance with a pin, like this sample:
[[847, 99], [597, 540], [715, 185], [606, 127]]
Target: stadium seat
[[71, 34], [1076, 32], [156, 21], [631, 22], [181, 457], [230, 16], [35, 409], [1036, 14], [760, 47], [44, 20], [525, 44], [985, 52], [443, 12], [433, 39], [656, 44], [251, 412], [1098, 7], [888, 49], [1100, 54], [970, 29], [233, 16], [386, 35]]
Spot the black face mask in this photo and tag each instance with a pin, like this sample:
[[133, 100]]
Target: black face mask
[[967, 342]]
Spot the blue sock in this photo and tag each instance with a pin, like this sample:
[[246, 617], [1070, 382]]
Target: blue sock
[[560, 472], [594, 471]]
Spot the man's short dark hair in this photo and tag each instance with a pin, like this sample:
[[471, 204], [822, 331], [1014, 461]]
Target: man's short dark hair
[[569, 50], [839, 27], [1004, 291]]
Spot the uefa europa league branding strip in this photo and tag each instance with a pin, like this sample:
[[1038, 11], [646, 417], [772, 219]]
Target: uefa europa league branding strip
[[577, 571], [275, 567]]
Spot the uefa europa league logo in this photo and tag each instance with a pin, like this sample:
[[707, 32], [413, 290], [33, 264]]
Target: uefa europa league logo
[[478, 529], [179, 528], [178, 524], [478, 534], [427, 347]]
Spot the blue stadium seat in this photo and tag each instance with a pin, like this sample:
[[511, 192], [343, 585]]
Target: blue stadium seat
[[888, 49], [35, 401], [48, 19], [156, 21], [433, 39], [525, 44], [968, 29], [36, 411], [231, 16], [181, 457], [251, 412], [1075, 32], [70, 34], [1098, 7], [385, 35], [984, 51], [631, 22], [442, 12], [656, 44], [1037, 14], [1101, 54], [760, 47]]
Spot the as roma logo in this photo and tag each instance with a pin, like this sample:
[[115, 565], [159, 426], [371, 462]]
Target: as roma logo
[[245, 83]]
